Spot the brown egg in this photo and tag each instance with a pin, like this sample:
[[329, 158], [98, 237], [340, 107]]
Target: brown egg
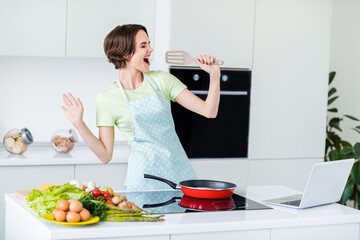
[[72, 217], [63, 205], [54, 211], [84, 215], [75, 206], [60, 216]]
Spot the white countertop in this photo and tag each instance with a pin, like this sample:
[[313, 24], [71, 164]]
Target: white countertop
[[202, 222], [46, 155]]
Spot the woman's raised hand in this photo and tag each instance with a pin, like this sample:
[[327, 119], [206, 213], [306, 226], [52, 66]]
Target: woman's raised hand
[[206, 63], [73, 109]]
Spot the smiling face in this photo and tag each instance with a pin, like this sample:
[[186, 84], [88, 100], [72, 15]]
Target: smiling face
[[140, 59]]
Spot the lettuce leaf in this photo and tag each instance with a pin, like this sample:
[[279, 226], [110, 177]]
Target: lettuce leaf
[[43, 202]]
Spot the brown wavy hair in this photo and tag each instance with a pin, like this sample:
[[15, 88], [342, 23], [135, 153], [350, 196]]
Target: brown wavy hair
[[119, 44]]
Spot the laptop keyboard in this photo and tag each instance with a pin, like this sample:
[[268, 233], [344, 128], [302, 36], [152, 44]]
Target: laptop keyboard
[[292, 203]]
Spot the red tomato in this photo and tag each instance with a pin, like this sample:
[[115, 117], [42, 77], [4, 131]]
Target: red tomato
[[107, 195], [109, 202], [96, 193]]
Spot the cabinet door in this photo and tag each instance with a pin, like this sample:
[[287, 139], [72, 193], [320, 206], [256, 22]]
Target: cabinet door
[[89, 21], [329, 232], [289, 79], [243, 235], [29, 177], [223, 29], [32, 28], [111, 175]]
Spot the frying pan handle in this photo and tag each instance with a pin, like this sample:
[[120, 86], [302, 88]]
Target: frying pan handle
[[168, 182], [174, 199]]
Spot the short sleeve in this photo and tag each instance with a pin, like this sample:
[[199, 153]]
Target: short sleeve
[[170, 85], [103, 113]]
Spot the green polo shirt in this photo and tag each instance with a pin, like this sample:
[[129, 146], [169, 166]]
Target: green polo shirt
[[111, 108]]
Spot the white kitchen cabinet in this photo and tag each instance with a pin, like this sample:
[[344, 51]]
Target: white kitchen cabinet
[[289, 79], [89, 21], [341, 231], [32, 28], [243, 235], [111, 175], [28, 177], [224, 29]]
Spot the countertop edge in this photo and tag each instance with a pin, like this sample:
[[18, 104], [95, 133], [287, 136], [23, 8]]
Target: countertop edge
[[197, 223]]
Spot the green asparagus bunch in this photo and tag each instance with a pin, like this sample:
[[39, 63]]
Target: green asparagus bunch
[[116, 214]]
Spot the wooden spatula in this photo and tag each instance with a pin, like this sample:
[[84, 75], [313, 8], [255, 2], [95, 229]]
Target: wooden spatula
[[22, 194], [183, 58]]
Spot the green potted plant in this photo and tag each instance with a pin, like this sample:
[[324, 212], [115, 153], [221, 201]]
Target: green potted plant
[[336, 148]]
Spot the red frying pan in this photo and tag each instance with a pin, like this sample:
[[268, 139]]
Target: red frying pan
[[207, 189], [198, 204]]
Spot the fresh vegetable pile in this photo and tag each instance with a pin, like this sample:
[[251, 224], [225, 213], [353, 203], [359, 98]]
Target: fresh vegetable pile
[[44, 201], [105, 203]]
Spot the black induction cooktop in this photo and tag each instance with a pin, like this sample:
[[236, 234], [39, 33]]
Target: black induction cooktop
[[173, 201]]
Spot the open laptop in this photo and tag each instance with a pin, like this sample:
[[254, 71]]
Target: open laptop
[[325, 185]]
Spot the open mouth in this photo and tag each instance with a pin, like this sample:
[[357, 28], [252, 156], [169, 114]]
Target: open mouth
[[146, 60]]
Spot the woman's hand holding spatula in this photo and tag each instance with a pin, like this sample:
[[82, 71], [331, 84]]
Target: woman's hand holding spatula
[[187, 99], [206, 63]]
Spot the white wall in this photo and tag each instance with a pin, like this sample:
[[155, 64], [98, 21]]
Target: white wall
[[345, 60], [31, 88]]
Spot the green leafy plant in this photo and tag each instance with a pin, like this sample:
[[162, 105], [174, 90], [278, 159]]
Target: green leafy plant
[[336, 148]]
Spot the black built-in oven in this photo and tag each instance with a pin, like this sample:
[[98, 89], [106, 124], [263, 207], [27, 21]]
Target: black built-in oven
[[225, 136]]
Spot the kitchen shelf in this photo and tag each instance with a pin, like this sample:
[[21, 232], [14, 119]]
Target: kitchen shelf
[[45, 155]]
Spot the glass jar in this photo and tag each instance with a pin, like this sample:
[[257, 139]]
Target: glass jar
[[63, 140], [16, 141]]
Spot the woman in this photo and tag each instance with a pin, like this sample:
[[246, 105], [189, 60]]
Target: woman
[[138, 103]]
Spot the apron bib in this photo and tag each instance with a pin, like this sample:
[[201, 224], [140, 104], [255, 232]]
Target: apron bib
[[156, 148]]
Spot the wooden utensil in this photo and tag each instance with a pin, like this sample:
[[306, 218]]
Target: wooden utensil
[[183, 58], [21, 194]]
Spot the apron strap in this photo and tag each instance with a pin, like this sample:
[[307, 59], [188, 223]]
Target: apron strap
[[124, 94], [122, 91], [152, 82]]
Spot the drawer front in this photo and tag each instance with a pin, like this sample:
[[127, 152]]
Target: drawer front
[[243, 235], [328, 232]]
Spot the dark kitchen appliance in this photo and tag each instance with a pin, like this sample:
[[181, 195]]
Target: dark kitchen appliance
[[225, 136], [173, 201]]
